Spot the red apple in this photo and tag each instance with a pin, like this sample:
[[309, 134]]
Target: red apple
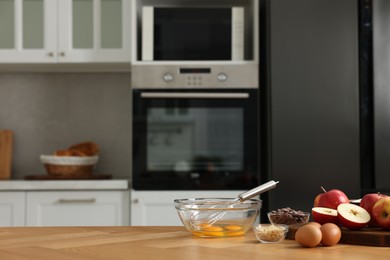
[[368, 201], [316, 200], [352, 216], [331, 199], [324, 215], [381, 212]]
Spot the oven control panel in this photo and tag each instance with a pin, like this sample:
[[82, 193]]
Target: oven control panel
[[194, 77]]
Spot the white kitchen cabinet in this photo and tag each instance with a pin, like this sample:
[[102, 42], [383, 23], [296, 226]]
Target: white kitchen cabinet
[[12, 209], [77, 208], [64, 31], [156, 208]]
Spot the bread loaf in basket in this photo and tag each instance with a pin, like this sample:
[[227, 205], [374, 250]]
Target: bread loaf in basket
[[77, 161]]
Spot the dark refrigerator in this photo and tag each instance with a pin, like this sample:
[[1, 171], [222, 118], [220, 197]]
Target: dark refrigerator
[[374, 60], [380, 105], [311, 99]]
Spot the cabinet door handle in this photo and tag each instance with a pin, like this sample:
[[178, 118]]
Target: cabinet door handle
[[135, 201], [69, 201], [50, 54], [62, 54]]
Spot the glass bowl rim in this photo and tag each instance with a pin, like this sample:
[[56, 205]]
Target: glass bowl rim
[[270, 213], [193, 203], [284, 226]]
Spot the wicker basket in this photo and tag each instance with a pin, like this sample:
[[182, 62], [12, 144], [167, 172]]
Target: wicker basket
[[69, 166], [69, 170]]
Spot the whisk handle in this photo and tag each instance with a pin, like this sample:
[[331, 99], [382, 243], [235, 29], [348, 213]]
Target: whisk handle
[[258, 190]]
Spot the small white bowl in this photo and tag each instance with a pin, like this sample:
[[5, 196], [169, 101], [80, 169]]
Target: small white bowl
[[270, 233]]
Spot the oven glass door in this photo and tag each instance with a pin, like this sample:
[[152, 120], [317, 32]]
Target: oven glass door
[[195, 140]]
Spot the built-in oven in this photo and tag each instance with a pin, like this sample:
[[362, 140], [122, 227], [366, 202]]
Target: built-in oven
[[195, 92], [195, 139]]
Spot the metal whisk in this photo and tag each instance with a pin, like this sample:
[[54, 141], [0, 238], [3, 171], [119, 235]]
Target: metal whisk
[[212, 218]]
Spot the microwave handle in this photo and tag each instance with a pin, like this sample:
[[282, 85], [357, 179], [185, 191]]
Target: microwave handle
[[194, 95]]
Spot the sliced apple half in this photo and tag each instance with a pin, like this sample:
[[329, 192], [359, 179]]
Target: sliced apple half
[[324, 215], [352, 216]]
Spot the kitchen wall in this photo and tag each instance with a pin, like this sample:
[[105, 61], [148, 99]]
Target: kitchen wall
[[50, 111]]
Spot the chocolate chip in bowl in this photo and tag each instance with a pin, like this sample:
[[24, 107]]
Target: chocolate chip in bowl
[[288, 216]]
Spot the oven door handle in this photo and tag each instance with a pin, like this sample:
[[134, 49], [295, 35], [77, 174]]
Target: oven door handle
[[194, 95]]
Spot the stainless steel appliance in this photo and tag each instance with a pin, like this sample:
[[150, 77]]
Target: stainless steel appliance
[[195, 139], [206, 32], [195, 111], [171, 38], [195, 96], [194, 30], [375, 42], [313, 99]]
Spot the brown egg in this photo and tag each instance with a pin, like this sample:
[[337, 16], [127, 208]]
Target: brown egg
[[331, 234], [308, 236], [315, 224]]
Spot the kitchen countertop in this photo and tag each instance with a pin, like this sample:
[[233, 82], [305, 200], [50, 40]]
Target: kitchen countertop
[[159, 243], [26, 185]]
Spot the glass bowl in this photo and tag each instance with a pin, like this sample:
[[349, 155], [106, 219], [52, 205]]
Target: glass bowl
[[288, 216], [270, 233], [217, 217]]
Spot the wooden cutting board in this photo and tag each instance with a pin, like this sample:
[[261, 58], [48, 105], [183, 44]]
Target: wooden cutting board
[[6, 141], [366, 237]]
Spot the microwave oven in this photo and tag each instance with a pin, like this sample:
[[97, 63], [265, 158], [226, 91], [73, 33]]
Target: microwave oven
[[195, 44], [193, 33]]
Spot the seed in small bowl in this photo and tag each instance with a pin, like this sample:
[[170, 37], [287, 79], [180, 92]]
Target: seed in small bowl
[[270, 233]]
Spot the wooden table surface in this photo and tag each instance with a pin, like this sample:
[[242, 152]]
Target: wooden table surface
[[159, 243]]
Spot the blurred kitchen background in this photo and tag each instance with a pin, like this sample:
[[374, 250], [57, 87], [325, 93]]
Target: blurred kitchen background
[[322, 95]]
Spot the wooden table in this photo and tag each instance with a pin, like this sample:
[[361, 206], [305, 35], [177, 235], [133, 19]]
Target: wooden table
[[150, 243]]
